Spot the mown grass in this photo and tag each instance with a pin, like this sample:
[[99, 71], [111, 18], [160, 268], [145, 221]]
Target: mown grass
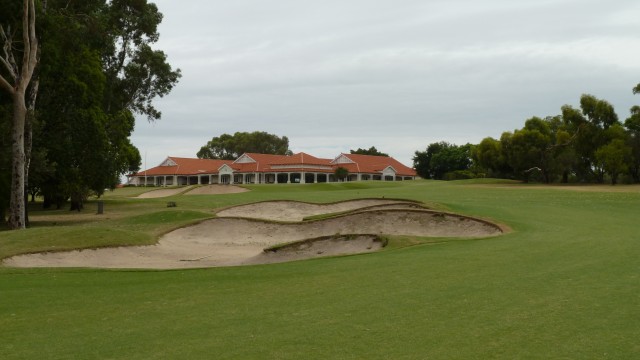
[[564, 284]]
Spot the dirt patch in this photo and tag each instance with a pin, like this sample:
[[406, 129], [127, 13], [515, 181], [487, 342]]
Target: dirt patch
[[216, 190], [240, 241]]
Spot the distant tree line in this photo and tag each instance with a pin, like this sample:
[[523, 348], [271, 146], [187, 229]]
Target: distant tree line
[[588, 144]]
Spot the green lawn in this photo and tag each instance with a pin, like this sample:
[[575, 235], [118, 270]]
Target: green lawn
[[565, 284]]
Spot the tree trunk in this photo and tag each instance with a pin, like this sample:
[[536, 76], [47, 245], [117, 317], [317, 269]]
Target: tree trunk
[[16, 202], [77, 203], [21, 77], [28, 135]]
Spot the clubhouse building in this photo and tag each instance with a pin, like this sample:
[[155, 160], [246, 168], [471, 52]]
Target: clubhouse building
[[251, 168]]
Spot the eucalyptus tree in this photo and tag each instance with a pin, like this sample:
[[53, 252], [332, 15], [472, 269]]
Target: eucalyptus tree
[[229, 147], [529, 149], [615, 156], [18, 62], [587, 127], [489, 156]]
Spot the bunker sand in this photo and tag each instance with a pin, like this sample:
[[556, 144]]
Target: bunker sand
[[230, 241]]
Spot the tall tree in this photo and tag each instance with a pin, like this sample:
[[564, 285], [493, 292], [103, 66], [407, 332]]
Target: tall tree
[[229, 147], [135, 73], [98, 70], [15, 77], [596, 116], [540, 146]]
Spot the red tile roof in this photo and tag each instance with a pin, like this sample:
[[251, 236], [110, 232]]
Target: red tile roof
[[252, 162], [281, 163], [185, 166], [371, 164]]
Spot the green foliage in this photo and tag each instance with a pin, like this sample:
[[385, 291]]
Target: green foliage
[[230, 147], [460, 175], [370, 151], [614, 158], [442, 158], [136, 74], [97, 69], [489, 157], [341, 173], [531, 148]]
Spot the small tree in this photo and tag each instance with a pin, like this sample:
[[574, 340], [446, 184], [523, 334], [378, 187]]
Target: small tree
[[341, 173]]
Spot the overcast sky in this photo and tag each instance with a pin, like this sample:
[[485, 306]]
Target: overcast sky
[[335, 75]]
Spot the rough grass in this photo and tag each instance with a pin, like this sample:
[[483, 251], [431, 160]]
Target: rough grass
[[564, 284]]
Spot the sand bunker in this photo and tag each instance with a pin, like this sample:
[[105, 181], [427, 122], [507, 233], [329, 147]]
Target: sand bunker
[[227, 241], [216, 190], [297, 211]]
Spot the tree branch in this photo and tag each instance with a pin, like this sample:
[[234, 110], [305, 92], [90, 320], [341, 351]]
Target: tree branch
[[29, 58], [5, 85], [7, 60]]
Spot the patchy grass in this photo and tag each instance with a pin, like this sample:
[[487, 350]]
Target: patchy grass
[[563, 284]]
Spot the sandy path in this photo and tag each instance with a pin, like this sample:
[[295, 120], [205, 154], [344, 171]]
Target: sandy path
[[236, 241]]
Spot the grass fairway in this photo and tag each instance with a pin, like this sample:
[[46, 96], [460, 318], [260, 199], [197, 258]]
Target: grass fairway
[[565, 284]]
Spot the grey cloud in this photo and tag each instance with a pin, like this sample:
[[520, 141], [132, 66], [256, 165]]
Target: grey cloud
[[336, 75]]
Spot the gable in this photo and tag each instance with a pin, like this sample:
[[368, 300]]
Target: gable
[[244, 159], [342, 159], [389, 171], [225, 169], [168, 162]]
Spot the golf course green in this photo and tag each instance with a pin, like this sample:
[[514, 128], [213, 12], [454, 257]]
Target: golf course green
[[564, 283]]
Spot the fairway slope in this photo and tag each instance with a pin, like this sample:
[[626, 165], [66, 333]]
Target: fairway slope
[[228, 241]]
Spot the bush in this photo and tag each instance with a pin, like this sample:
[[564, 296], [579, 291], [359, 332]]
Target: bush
[[460, 175]]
